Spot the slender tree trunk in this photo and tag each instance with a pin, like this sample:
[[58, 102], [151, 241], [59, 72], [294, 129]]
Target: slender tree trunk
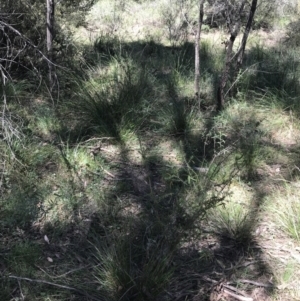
[[229, 59], [197, 52], [241, 51], [50, 34]]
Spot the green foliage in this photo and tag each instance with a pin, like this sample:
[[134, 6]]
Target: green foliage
[[286, 210], [175, 19], [109, 106], [293, 37], [25, 33], [175, 116], [274, 71], [23, 256], [241, 124], [266, 14], [217, 13], [130, 270], [21, 205], [233, 221], [127, 160], [106, 46]]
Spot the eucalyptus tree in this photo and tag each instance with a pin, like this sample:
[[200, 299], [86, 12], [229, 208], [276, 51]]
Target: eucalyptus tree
[[50, 4], [237, 15], [197, 50]]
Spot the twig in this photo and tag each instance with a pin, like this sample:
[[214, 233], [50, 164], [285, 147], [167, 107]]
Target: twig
[[72, 271], [240, 298], [65, 274], [21, 293], [108, 173], [126, 292], [28, 41], [96, 139], [45, 282], [239, 76], [54, 284], [99, 174], [228, 290], [243, 265], [256, 283]]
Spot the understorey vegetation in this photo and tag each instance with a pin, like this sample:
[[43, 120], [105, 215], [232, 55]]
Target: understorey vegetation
[[124, 175]]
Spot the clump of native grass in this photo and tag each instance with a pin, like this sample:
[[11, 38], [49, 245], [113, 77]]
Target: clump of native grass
[[135, 262], [237, 131], [232, 221], [113, 101], [285, 210], [134, 268], [273, 73]]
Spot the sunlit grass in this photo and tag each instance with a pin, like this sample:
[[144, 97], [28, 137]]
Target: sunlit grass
[[131, 116], [132, 269], [285, 209], [234, 220], [80, 158]]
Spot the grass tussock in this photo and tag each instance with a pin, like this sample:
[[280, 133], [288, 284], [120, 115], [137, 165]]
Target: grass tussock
[[120, 186], [108, 103], [134, 271], [233, 222], [285, 211]]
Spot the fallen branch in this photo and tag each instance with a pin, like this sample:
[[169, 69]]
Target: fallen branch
[[56, 285], [238, 297], [256, 283], [45, 282], [243, 265]]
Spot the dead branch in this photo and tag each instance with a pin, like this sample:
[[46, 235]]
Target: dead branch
[[27, 41], [54, 284], [256, 283]]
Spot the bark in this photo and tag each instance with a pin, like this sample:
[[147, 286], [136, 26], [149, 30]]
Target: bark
[[229, 59], [50, 34], [197, 52], [241, 51]]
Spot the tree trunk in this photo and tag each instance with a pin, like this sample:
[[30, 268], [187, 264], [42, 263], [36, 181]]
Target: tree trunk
[[50, 34], [229, 59], [197, 53], [241, 51]]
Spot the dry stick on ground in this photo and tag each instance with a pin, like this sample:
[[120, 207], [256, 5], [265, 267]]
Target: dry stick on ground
[[21, 292], [228, 290], [240, 298], [243, 265], [256, 283], [65, 274], [56, 285]]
